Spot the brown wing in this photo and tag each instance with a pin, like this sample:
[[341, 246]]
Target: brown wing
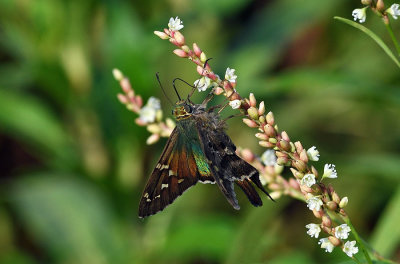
[[175, 172]]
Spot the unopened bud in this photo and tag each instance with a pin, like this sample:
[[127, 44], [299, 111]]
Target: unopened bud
[[334, 240], [266, 144], [180, 53], [252, 100], [122, 98], [161, 35], [203, 57], [253, 113], [276, 195], [298, 146], [269, 130], [261, 136], [303, 156], [270, 118], [249, 122], [185, 48], [335, 197], [154, 128], [118, 75], [247, 155], [218, 91], [273, 140], [294, 184], [180, 39], [170, 123], [282, 161], [300, 165], [278, 169], [285, 136], [159, 115], [326, 221], [152, 139], [196, 50], [284, 145], [261, 119], [314, 171], [261, 108], [331, 205], [343, 202], [380, 6], [366, 2], [318, 214]]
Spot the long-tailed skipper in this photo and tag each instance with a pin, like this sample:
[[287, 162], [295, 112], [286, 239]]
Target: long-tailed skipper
[[198, 150]]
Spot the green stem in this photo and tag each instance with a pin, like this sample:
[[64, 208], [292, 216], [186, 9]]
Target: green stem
[[357, 237], [395, 42], [356, 259]]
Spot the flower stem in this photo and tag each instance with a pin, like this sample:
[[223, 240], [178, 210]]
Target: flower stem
[[395, 42], [357, 237]]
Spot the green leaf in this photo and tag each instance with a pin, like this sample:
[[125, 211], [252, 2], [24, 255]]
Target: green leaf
[[372, 35], [386, 235], [30, 121], [68, 217]]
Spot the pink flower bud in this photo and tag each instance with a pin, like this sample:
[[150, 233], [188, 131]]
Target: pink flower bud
[[196, 50], [180, 39], [318, 214], [252, 99], [152, 139], [298, 146], [303, 156], [139, 101], [180, 53], [166, 30], [266, 144], [326, 221], [218, 91], [161, 35], [126, 85], [122, 98], [200, 70], [261, 136], [261, 109], [249, 122], [294, 184], [284, 145], [253, 113], [140, 122], [285, 136], [334, 240], [270, 118], [269, 130], [173, 41]]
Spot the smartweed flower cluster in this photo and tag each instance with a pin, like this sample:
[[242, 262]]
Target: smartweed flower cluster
[[332, 222]]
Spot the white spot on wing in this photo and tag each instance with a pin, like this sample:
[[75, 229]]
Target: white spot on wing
[[164, 186], [180, 180]]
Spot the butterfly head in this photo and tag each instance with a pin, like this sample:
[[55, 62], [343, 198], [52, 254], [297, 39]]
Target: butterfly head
[[183, 109]]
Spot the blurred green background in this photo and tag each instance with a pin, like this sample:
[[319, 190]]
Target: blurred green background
[[73, 163]]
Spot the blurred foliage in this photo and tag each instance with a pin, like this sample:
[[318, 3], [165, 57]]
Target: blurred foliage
[[73, 163]]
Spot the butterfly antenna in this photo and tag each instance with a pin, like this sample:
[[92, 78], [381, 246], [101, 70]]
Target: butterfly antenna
[[159, 82]]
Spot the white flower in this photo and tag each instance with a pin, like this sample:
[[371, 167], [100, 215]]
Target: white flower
[[202, 83], [235, 104], [314, 203], [350, 249], [329, 171], [269, 157], [308, 180], [325, 243], [360, 14], [154, 103], [313, 153], [393, 10], [313, 230], [230, 75], [342, 231], [175, 24], [149, 112]]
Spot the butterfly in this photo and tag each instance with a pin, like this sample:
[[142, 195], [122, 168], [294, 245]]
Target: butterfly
[[198, 150]]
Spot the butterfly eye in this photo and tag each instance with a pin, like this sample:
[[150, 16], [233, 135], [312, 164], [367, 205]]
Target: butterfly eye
[[188, 108]]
